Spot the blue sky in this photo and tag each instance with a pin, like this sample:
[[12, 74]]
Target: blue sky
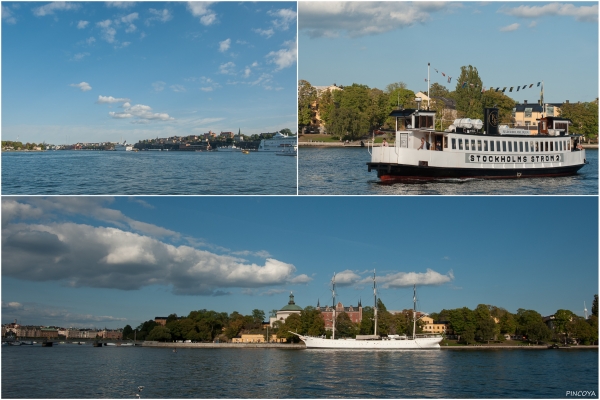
[[100, 261], [510, 44], [112, 71]]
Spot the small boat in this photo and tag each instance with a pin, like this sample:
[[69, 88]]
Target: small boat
[[14, 343], [26, 343], [231, 148], [245, 152]]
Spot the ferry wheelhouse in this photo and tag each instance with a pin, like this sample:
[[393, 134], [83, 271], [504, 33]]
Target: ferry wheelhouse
[[475, 149]]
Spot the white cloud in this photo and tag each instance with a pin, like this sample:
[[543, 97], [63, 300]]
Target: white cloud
[[128, 19], [201, 9], [510, 28], [227, 68], [224, 45], [247, 72], [158, 86], [81, 255], [284, 17], [8, 16], [177, 88], [79, 56], [108, 32], [207, 89], [361, 18], [404, 279], [347, 278], [82, 24], [285, 57], [91, 40], [159, 15], [264, 32], [580, 13], [83, 86], [50, 8], [142, 113], [532, 24], [120, 4], [111, 100]]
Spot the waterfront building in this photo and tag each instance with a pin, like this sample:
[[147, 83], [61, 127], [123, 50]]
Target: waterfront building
[[256, 338], [161, 320], [286, 311], [526, 115], [432, 327], [355, 313]]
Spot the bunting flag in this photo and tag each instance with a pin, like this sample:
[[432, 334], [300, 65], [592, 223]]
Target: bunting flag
[[518, 88], [530, 86], [538, 85], [436, 71], [443, 74], [498, 88], [511, 88], [524, 86], [449, 79], [464, 84], [425, 79], [504, 89]]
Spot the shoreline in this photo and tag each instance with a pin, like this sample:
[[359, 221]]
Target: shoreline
[[287, 346], [357, 145]]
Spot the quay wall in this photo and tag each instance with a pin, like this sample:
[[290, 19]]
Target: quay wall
[[173, 345]]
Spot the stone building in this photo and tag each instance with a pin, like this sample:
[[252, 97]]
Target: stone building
[[286, 311], [355, 313]]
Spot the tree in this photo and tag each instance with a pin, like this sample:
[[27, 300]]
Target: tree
[[485, 324], [344, 326], [462, 320], [366, 324], [258, 316], [437, 90], [562, 326], [144, 329], [159, 333], [595, 306], [394, 86], [307, 95], [468, 93], [293, 323], [286, 131], [312, 322], [531, 325], [128, 332], [584, 117]]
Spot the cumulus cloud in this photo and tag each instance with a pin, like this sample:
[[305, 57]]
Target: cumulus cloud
[[50, 8], [91, 40], [332, 18], [158, 86], [8, 16], [128, 19], [227, 68], [79, 56], [224, 45], [264, 32], [108, 32], [159, 15], [120, 4], [285, 57], [141, 113], [283, 18], [347, 278], [404, 279], [580, 13], [510, 28], [82, 24], [177, 88], [111, 100], [83, 86], [201, 9]]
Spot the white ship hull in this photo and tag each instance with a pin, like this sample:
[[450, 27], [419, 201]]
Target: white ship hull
[[277, 143], [229, 149], [419, 343]]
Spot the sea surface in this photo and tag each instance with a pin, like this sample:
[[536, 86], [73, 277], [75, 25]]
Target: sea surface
[[343, 171], [147, 173], [71, 371]]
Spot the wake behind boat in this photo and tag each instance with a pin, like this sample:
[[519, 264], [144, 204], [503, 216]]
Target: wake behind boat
[[375, 342]]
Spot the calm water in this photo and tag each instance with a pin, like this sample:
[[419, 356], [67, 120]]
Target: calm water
[[343, 171], [147, 173], [71, 371]]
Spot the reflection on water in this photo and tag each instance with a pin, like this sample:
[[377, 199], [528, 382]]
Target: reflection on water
[[323, 171], [71, 371]]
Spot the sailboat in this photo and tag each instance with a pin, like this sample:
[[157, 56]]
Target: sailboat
[[368, 342]]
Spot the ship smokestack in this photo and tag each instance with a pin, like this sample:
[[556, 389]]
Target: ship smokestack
[[491, 120]]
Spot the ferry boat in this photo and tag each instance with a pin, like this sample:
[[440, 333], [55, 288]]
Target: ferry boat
[[231, 148], [123, 146], [475, 149], [287, 150], [275, 143], [375, 342]]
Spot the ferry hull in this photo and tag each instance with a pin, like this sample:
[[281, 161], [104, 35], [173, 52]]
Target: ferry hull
[[398, 172], [430, 343]]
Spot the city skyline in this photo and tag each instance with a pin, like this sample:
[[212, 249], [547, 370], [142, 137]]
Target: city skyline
[[511, 45], [108, 262], [107, 72]]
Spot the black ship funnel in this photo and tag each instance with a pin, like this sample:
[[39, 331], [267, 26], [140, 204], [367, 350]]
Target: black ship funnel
[[491, 120]]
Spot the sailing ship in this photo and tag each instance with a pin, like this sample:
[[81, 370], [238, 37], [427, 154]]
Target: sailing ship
[[375, 341]]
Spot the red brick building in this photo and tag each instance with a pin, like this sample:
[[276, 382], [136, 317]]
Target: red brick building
[[355, 313]]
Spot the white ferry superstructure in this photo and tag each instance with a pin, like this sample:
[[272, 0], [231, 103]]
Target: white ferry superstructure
[[465, 150], [277, 142]]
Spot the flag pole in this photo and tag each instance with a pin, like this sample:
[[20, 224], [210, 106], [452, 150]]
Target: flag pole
[[428, 82]]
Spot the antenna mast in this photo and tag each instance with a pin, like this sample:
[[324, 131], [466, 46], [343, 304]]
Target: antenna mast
[[375, 306], [333, 295], [414, 310]]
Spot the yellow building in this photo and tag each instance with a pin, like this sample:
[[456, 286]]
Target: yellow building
[[255, 338], [430, 327], [526, 115]]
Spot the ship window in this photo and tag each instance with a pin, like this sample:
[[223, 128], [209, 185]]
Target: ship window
[[537, 147], [473, 144], [491, 145], [466, 144], [453, 144], [560, 145], [521, 147], [546, 146], [503, 145], [479, 145], [509, 146], [460, 144], [551, 146], [485, 147], [445, 142], [526, 147]]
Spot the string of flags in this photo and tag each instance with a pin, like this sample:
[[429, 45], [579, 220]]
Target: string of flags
[[496, 89]]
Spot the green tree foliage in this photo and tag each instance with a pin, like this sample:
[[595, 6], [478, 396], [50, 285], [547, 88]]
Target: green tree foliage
[[582, 331], [293, 323], [562, 324], [468, 96], [584, 117], [394, 86], [128, 332], [144, 329], [235, 325], [531, 325], [366, 326], [286, 131], [463, 321], [312, 322], [595, 306], [258, 317], [437, 90], [485, 324], [344, 326], [159, 333], [307, 95]]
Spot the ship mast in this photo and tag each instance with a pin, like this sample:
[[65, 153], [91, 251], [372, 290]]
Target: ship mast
[[333, 295], [375, 306], [414, 310]]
